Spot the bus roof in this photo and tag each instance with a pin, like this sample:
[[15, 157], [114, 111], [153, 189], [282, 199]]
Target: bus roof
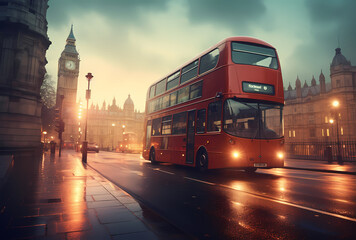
[[230, 39]]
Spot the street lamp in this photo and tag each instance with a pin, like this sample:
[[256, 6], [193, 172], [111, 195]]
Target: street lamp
[[44, 140], [336, 105], [44, 136], [112, 136], [89, 76]]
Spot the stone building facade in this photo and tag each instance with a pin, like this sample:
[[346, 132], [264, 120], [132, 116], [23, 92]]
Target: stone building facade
[[23, 45], [309, 114]]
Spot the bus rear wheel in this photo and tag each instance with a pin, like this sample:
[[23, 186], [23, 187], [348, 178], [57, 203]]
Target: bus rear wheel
[[250, 169], [153, 156], [202, 161]]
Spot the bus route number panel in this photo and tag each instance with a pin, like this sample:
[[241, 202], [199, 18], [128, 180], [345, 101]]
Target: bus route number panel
[[251, 87]]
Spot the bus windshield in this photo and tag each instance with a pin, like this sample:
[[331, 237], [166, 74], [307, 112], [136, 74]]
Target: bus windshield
[[254, 120], [244, 53]]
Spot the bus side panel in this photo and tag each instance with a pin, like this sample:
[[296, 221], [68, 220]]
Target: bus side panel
[[215, 82], [177, 148]]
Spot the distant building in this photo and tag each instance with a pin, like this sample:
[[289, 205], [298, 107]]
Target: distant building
[[106, 124], [309, 115], [23, 46]]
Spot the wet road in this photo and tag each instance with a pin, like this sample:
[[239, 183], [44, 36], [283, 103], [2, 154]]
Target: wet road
[[230, 204]]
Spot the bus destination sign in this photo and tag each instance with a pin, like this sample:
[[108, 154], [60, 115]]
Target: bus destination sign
[[252, 87]]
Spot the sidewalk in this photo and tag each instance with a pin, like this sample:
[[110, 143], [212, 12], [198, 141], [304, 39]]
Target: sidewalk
[[320, 166], [61, 198]]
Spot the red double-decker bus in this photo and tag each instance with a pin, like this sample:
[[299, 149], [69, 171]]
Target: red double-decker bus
[[223, 109]]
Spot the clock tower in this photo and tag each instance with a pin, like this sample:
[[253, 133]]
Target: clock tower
[[68, 71]]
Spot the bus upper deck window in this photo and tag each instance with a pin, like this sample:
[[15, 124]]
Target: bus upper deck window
[[209, 61], [252, 54]]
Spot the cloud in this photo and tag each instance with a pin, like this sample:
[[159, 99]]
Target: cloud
[[331, 24], [235, 14], [61, 11], [333, 20]]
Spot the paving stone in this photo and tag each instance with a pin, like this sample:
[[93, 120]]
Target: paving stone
[[104, 204], [111, 215], [96, 190], [134, 226], [134, 207], [72, 226], [127, 199], [102, 197]]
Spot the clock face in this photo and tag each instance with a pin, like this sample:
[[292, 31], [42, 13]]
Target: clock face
[[70, 65]]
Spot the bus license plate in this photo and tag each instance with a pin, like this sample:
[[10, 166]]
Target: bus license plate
[[260, 164]]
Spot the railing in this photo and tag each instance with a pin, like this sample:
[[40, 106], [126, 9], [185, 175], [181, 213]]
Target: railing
[[320, 150]]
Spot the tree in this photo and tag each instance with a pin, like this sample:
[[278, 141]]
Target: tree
[[48, 96], [48, 92]]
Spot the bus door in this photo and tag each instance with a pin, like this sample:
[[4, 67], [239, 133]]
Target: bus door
[[190, 137]]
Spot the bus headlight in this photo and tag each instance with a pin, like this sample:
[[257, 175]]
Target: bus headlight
[[235, 154], [280, 155]]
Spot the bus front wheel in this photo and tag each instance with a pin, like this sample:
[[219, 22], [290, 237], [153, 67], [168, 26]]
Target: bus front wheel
[[153, 156], [202, 161]]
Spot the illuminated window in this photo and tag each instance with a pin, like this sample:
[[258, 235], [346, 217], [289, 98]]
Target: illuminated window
[[322, 132], [290, 133], [327, 132], [293, 133], [156, 127], [326, 119], [342, 131]]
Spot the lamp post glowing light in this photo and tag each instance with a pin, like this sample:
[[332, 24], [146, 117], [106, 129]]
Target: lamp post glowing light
[[112, 136], [44, 136], [336, 105], [89, 76]]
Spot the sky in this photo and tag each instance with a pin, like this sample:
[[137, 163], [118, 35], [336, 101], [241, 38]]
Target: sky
[[129, 44]]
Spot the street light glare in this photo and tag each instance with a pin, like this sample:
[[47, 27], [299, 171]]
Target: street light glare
[[336, 103]]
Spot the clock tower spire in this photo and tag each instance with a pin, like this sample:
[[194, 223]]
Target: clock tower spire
[[68, 71]]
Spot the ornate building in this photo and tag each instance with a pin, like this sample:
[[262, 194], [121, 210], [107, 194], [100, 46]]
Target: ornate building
[[68, 71], [311, 117], [23, 45], [105, 124]]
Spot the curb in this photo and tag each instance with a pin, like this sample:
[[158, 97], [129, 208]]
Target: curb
[[321, 170]]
